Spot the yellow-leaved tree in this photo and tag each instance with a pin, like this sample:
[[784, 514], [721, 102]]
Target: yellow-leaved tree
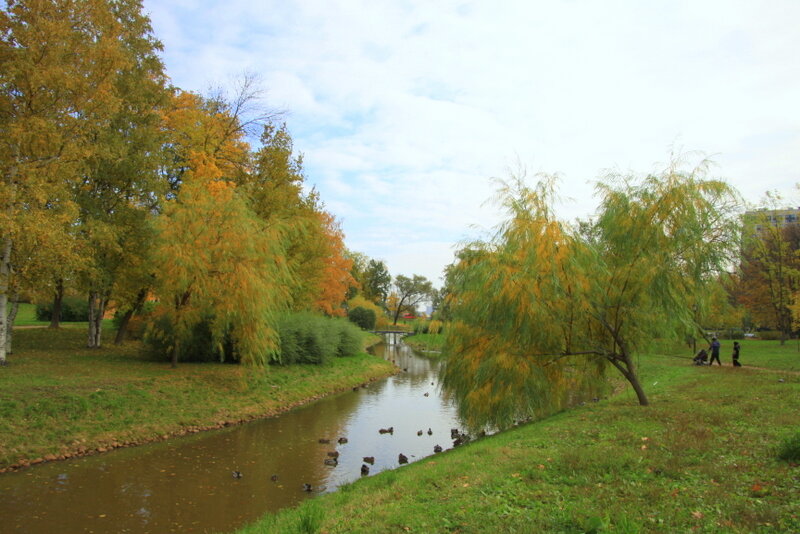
[[218, 263], [58, 63]]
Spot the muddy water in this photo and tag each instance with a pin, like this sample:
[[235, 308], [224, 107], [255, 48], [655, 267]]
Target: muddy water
[[187, 484]]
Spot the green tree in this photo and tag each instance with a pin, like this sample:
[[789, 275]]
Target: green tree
[[121, 185], [409, 292], [540, 311], [376, 282]]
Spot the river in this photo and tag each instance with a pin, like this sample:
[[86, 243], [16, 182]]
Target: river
[[188, 484]]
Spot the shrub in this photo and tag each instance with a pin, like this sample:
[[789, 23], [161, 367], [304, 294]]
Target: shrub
[[73, 309], [363, 317], [789, 450], [435, 327], [197, 347], [420, 326], [309, 338]]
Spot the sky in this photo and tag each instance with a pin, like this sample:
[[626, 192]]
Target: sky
[[406, 112]]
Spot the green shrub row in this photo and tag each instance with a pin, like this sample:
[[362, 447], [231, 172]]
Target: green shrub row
[[309, 338]]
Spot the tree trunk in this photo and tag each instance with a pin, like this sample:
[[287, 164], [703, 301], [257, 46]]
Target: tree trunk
[[175, 354], [97, 307], [58, 298], [5, 274], [12, 315], [123, 325], [629, 372]]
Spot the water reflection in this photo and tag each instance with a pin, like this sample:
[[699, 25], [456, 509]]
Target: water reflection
[[187, 484]]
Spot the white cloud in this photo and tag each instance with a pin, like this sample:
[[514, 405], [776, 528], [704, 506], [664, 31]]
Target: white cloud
[[404, 110]]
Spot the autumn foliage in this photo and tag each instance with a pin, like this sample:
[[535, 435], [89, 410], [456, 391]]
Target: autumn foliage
[[121, 187]]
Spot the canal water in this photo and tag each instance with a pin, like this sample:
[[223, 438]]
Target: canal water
[[188, 484]]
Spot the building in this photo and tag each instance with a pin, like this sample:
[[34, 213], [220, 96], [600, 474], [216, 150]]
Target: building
[[779, 218]]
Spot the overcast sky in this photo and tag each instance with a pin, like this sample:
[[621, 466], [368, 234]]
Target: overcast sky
[[405, 110]]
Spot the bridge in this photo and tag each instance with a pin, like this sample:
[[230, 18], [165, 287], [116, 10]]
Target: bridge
[[392, 337]]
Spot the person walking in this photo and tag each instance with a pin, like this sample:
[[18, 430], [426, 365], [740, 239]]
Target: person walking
[[715, 345], [736, 348]]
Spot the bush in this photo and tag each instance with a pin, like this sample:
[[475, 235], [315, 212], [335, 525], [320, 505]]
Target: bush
[[73, 309], [790, 449], [198, 347], [363, 317], [309, 338], [435, 327], [420, 326]]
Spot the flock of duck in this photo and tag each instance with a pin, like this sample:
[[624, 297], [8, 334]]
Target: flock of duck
[[332, 459]]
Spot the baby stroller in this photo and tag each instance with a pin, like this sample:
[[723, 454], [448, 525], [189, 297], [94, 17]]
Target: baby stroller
[[701, 358]]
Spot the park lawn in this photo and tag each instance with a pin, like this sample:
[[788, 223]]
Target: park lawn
[[58, 398], [701, 458]]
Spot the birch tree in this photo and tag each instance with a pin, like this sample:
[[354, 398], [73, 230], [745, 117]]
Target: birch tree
[[544, 308], [57, 64]]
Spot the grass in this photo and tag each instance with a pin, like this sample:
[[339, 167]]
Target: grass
[[59, 398], [26, 317], [425, 342], [704, 457]]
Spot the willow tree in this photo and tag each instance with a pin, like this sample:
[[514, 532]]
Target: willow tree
[[542, 309], [218, 263]]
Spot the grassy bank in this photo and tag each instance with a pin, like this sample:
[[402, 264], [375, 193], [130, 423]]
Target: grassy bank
[[701, 458], [425, 342], [58, 398]]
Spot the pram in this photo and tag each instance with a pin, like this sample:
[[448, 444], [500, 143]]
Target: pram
[[701, 358]]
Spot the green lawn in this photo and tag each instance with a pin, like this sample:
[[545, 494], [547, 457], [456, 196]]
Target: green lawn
[[58, 397], [701, 458]]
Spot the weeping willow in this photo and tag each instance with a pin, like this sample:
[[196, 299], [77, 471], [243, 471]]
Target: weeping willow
[[542, 309]]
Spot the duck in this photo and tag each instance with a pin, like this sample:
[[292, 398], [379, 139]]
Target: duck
[[430, 432], [342, 441], [454, 433], [419, 432], [333, 462], [274, 478], [389, 430], [402, 458], [237, 474], [426, 394], [369, 459], [437, 448], [333, 454], [307, 487], [324, 441], [364, 470]]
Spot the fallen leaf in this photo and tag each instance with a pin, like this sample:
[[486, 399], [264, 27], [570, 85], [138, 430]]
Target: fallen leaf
[[697, 515]]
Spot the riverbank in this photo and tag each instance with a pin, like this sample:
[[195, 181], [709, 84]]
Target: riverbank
[[703, 457], [59, 399], [429, 343]]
